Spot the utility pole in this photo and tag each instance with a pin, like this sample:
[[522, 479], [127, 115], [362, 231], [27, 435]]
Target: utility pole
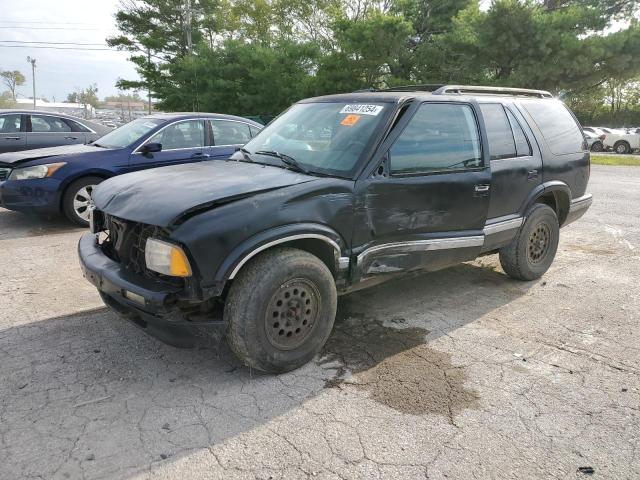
[[149, 82], [188, 22], [32, 61]]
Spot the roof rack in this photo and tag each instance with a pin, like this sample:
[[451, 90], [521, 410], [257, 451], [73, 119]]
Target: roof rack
[[474, 89], [427, 87]]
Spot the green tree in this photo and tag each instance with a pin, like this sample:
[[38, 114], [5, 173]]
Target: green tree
[[12, 79]]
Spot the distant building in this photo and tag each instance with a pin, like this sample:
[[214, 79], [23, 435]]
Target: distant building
[[125, 105], [76, 109]]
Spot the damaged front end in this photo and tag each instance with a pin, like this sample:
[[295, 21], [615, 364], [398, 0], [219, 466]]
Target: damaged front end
[[169, 307]]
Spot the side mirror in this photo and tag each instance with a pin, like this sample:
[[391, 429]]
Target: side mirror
[[151, 148]]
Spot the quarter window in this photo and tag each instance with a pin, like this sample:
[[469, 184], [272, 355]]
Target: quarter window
[[188, 134], [557, 125], [439, 137], [46, 124], [10, 123], [499, 135], [230, 133]]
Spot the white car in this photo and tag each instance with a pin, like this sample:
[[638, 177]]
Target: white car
[[622, 142]]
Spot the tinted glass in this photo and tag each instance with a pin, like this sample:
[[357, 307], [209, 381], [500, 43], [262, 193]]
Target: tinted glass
[[189, 134], [438, 137], [557, 125], [523, 149], [501, 144], [10, 123], [230, 133], [48, 124], [326, 137], [128, 134]]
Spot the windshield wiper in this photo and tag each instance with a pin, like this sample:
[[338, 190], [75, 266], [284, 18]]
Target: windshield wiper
[[98, 145], [288, 160]]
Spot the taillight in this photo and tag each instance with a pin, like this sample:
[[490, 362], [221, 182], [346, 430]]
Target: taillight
[[602, 137]]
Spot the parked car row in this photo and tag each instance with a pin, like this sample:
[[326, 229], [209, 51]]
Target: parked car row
[[29, 129], [336, 194], [61, 179], [623, 141]]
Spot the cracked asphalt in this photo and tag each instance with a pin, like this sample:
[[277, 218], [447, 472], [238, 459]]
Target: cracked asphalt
[[456, 374]]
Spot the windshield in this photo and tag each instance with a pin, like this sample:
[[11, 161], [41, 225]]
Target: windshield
[[321, 137], [128, 133]]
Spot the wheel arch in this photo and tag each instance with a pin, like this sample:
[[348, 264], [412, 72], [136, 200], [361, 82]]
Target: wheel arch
[[71, 179], [555, 194], [319, 240]]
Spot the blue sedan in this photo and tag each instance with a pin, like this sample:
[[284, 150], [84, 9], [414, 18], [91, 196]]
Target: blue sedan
[[60, 179]]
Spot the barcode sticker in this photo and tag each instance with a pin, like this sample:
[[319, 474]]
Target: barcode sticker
[[362, 109]]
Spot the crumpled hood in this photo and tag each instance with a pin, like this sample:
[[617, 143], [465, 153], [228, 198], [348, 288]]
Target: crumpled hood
[[160, 196], [38, 153]]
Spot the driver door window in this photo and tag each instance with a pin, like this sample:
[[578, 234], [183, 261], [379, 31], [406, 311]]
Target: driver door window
[[439, 137], [180, 135]]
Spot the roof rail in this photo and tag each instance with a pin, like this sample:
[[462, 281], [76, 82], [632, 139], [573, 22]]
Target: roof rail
[[427, 87], [474, 89]]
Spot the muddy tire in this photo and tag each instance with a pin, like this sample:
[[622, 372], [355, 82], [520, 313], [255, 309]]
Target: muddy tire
[[532, 251], [280, 310], [75, 202]]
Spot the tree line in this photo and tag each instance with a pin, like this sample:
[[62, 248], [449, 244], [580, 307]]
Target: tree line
[[259, 56]]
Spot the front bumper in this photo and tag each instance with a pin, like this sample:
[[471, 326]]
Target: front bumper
[[41, 195], [147, 303], [578, 208]]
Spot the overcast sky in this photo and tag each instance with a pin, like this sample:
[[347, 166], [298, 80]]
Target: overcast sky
[[59, 72]]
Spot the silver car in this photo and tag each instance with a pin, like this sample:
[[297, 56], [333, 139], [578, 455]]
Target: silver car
[[29, 129]]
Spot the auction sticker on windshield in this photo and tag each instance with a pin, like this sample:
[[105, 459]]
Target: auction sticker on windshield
[[350, 120], [362, 109]]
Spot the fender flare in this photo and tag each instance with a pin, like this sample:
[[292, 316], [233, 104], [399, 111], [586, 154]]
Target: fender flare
[[562, 194], [262, 241]]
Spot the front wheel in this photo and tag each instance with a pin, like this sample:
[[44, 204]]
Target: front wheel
[[531, 252], [75, 203], [280, 310]]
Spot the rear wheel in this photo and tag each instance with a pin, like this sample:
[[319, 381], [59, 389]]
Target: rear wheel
[[622, 147], [280, 310], [597, 147], [75, 203], [532, 251]]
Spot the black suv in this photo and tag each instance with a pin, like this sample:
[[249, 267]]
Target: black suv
[[337, 193]]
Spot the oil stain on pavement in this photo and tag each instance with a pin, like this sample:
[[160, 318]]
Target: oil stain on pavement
[[395, 367]]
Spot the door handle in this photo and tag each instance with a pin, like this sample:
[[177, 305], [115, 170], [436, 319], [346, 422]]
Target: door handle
[[481, 188], [200, 155], [70, 138], [532, 174], [12, 138]]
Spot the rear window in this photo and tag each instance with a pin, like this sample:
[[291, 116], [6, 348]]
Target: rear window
[[557, 125]]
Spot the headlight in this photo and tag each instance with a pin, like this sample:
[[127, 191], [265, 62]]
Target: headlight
[[38, 171], [166, 258]]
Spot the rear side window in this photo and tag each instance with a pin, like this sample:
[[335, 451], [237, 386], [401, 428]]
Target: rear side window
[[499, 135], [523, 148], [226, 132], [439, 137], [557, 125], [254, 130], [77, 127]]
